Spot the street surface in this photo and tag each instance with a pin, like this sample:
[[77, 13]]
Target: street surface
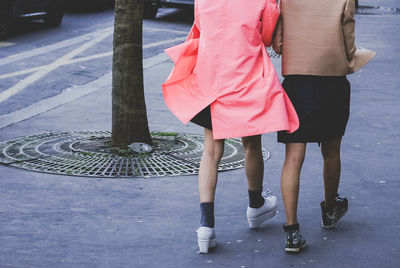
[[37, 62], [60, 80]]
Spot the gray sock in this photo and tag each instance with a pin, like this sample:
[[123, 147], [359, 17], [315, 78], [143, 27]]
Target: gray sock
[[207, 214]]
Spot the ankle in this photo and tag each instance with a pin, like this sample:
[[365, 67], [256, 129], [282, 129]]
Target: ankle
[[329, 203], [291, 227], [256, 200], [207, 214]]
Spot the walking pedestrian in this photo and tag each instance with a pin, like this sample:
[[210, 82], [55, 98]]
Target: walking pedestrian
[[317, 43], [224, 81]]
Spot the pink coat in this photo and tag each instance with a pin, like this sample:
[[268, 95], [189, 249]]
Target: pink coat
[[224, 64]]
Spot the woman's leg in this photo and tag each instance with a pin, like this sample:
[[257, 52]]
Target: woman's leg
[[208, 173], [212, 154], [295, 153], [332, 167], [254, 163], [260, 209]]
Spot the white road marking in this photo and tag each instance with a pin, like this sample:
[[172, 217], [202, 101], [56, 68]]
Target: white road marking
[[52, 47], [75, 92], [42, 72], [69, 95], [157, 59], [17, 73], [45, 105], [164, 42], [5, 44], [165, 30], [66, 43], [92, 57]]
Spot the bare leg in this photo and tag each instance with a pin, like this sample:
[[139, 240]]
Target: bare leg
[[208, 172], [254, 164], [295, 153], [332, 166]]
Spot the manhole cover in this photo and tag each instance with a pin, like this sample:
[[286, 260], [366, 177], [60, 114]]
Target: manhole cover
[[369, 10], [89, 154]]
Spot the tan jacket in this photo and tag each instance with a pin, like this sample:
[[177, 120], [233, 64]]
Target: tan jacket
[[316, 37]]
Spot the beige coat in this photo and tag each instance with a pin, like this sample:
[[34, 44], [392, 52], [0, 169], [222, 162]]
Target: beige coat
[[316, 37]]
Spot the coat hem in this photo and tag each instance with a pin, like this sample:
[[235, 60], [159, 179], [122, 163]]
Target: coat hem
[[240, 134]]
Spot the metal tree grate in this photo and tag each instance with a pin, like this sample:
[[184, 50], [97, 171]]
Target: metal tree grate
[[89, 154]]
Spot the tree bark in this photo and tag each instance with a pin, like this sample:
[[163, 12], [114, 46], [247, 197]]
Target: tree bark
[[129, 117]]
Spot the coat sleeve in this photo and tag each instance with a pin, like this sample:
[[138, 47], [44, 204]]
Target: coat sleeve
[[269, 18], [348, 24]]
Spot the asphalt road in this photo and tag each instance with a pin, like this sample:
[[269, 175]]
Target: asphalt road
[[37, 62], [49, 220]]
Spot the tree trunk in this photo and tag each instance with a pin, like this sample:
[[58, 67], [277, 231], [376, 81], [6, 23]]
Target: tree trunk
[[357, 5], [129, 117]]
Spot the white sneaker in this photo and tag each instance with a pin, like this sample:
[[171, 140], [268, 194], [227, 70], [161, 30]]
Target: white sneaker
[[206, 239], [256, 216]]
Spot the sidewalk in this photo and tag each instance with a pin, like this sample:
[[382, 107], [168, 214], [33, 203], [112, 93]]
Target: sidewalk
[[59, 221]]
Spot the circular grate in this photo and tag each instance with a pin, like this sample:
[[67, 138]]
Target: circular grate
[[89, 154]]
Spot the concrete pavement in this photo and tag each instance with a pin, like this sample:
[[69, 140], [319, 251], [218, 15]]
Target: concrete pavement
[[59, 221]]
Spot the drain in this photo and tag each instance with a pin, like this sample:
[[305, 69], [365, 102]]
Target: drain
[[370, 10], [89, 154]]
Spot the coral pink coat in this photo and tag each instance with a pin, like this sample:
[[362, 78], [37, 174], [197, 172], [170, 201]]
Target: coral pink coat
[[224, 64]]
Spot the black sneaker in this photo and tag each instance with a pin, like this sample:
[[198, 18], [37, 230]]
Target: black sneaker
[[294, 241], [330, 217]]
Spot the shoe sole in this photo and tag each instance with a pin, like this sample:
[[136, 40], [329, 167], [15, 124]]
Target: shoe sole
[[255, 223], [332, 225], [295, 250], [205, 245]]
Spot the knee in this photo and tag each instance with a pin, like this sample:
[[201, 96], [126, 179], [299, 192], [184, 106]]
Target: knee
[[330, 155], [252, 148], [251, 144], [294, 158], [295, 153], [331, 150], [214, 152]]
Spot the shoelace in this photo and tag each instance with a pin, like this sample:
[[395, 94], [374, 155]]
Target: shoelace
[[293, 238], [266, 193]]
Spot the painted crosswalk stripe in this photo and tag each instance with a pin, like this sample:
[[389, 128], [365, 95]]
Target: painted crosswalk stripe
[[92, 57], [70, 94], [50, 67], [52, 47]]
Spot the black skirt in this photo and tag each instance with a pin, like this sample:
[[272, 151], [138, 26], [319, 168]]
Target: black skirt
[[322, 104], [203, 118]]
